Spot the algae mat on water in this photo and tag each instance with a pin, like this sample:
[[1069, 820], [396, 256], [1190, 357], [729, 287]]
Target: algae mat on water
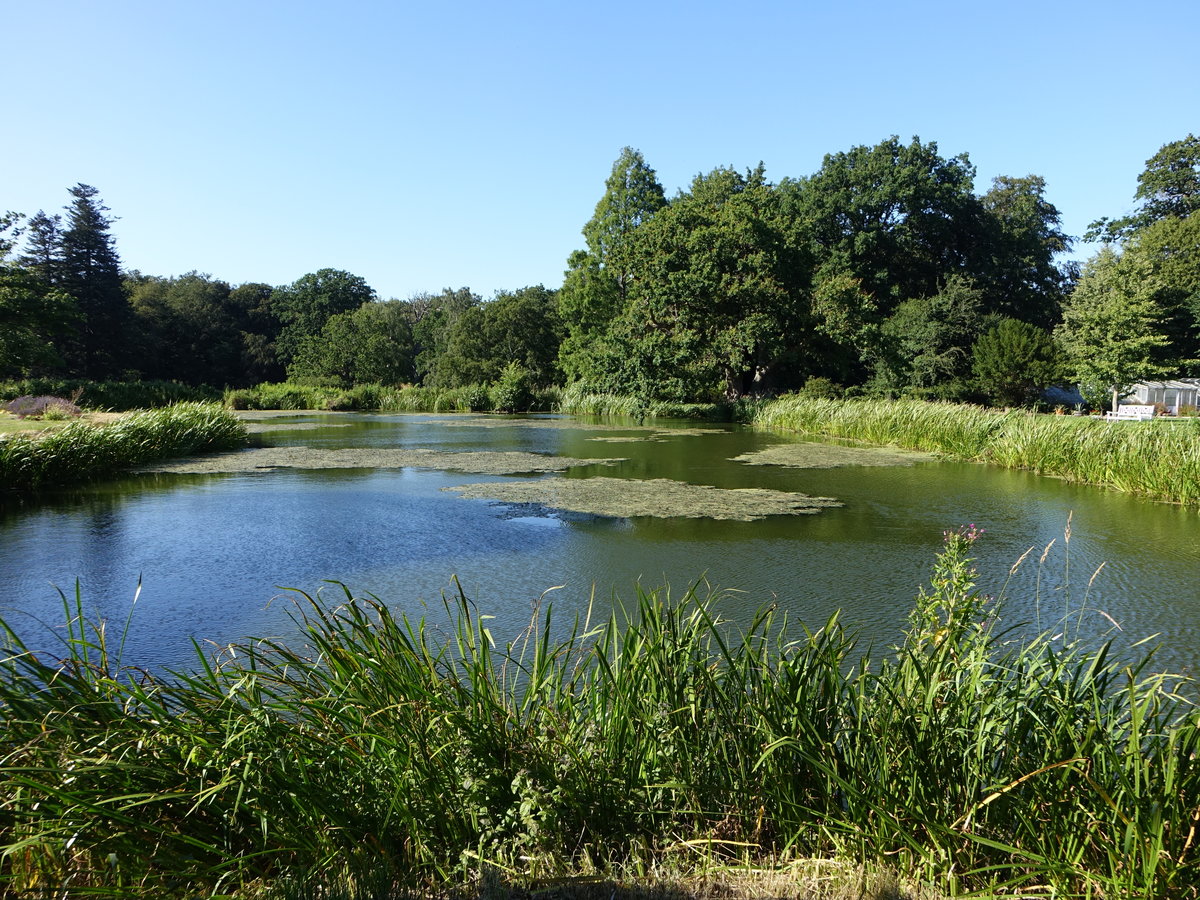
[[473, 462], [809, 455], [657, 436], [656, 432], [659, 497], [265, 427]]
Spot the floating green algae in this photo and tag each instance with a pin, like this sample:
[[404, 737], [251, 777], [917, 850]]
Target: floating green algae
[[250, 415], [473, 462], [810, 455], [655, 437], [475, 420], [264, 427], [659, 497], [686, 432]]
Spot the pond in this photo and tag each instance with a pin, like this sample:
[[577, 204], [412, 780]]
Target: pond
[[408, 507]]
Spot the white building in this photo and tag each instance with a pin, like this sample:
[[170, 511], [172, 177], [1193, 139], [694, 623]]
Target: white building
[[1171, 394]]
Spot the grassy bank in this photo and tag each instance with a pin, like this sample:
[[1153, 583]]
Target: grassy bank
[[471, 398], [80, 451], [578, 401], [381, 398], [115, 396], [1158, 459], [390, 753]]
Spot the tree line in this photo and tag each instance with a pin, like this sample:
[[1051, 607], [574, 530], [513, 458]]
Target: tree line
[[68, 309], [884, 273]]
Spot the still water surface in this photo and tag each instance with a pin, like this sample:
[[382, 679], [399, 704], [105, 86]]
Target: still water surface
[[214, 551]]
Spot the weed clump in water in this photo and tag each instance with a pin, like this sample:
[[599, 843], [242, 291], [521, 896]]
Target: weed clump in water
[[810, 455], [656, 497]]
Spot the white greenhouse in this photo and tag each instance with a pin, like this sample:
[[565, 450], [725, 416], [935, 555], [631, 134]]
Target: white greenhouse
[[1183, 392]]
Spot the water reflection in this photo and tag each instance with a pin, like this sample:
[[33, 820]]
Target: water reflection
[[213, 551]]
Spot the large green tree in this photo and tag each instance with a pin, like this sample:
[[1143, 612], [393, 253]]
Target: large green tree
[[596, 284], [718, 300], [189, 332], [589, 301], [1168, 187], [1170, 250], [433, 318], [925, 346], [1019, 273], [520, 328], [43, 236], [249, 305], [900, 218], [632, 194], [33, 318], [370, 345], [1111, 332], [304, 306], [32, 313]]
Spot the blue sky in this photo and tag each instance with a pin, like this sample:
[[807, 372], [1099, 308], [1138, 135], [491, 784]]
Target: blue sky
[[430, 145]]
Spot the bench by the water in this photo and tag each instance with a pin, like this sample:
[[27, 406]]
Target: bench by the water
[[1130, 412]]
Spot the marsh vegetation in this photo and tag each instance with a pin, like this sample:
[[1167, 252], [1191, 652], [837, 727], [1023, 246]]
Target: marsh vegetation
[[381, 746], [1158, 459], [82, 451]]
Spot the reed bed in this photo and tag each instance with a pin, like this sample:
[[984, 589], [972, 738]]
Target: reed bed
[[379, 750], [1159, 459], [81, 451], [378, 398], [577, 399]]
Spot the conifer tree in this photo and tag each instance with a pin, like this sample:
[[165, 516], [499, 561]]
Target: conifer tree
[[87, 268]]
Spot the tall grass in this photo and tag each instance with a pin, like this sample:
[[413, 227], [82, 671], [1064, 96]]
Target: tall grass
[[81, 451], [393, 751], [286, 395], [577, 399], [1158, 459], [377, 397]]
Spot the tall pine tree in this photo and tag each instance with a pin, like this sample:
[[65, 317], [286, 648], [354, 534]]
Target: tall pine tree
[[87, 268]]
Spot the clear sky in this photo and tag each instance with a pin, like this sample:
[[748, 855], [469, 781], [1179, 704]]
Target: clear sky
[[429, 145]]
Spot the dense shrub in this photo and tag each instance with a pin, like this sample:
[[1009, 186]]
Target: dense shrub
[[820, 388], [117, 396], [1014, 362], [288, 395], [512, 391]]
